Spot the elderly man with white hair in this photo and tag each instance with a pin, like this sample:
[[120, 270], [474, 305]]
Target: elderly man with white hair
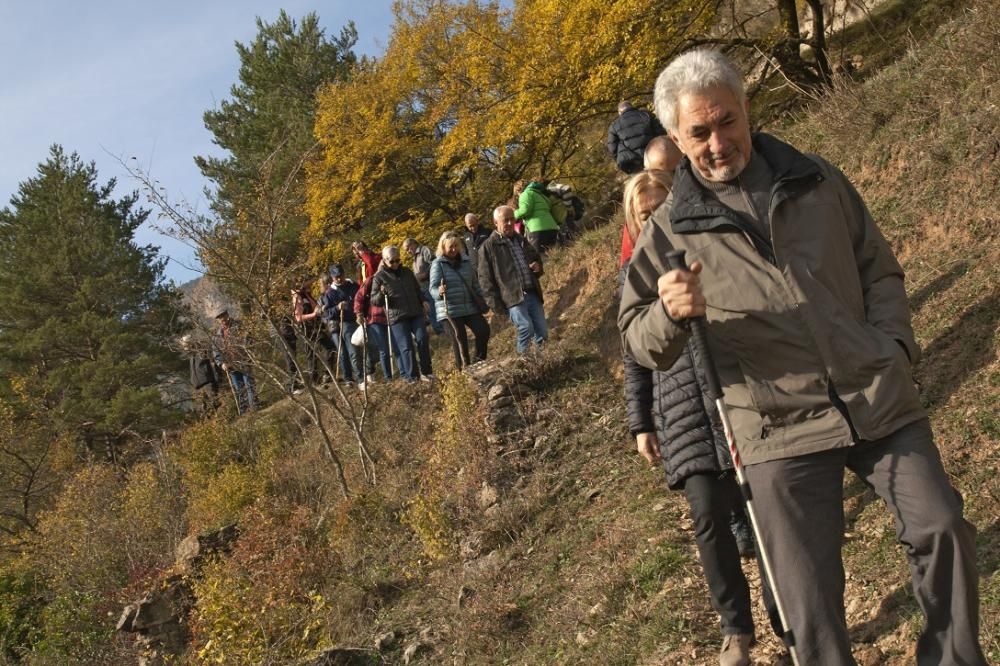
[[509, 268], [809, 326]]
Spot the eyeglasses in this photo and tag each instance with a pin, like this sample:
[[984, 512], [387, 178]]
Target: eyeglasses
[[394, 262]]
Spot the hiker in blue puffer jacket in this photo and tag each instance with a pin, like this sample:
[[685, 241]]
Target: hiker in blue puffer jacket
[[458, 299]]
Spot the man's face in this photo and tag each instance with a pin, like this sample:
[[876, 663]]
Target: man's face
[[471, 223], [338, 280], [505, 223], [713, 130]]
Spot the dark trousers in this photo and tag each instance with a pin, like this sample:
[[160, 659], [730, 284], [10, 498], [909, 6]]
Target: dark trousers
[[460, 340], [799, 506], [712, 499], [542, 240]]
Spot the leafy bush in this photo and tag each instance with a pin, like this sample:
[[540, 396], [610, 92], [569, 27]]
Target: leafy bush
[[226, 467], [21, 604], [263, 603]]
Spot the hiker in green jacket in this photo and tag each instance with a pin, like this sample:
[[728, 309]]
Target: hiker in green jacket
[[535, 211]]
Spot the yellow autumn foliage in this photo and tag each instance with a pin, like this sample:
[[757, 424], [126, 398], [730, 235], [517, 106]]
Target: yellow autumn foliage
[[472, 96]]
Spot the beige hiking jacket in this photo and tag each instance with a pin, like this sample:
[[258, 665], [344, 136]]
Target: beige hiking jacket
[[828, 316]]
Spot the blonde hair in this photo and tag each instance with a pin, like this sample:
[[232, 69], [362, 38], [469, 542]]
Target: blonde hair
[[450, 238], [634, 188]]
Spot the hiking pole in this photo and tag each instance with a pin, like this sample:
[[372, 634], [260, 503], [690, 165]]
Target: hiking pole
[[392, 369], [232, 387], [462, 354], [699, 339], [340, 345]]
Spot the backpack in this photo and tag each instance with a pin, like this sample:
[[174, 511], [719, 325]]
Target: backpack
[[560, 199], [563, 203]]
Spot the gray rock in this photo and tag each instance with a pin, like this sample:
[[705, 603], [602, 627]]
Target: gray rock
[[412, 650], [487, 496], [497, 391], [385, 641], [192, 551]]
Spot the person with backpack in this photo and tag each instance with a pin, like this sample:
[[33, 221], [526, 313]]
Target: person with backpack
[[309, 329], [337, 303], [230, 352], [535, 211], [629, 134], [458, 299]]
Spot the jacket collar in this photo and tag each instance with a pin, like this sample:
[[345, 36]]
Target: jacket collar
[[695, 209]]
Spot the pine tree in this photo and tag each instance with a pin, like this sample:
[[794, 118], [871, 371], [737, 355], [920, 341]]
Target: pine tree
[[267, 128], [84, 313]]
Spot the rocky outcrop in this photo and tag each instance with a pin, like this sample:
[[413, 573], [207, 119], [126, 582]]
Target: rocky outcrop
[[159, 619]]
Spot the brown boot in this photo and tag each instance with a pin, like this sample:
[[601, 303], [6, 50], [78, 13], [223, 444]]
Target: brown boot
[[735, 650]]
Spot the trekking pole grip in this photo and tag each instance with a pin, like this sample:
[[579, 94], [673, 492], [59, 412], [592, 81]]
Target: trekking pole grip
[[699, 334]]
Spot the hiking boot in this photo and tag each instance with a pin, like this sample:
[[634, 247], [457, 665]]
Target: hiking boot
[[427, 378], [735, 650]]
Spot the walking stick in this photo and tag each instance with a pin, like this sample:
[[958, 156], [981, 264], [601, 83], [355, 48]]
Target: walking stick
[[232, 387], [699, 338], [392, 369], [454, 331], [340, 345]]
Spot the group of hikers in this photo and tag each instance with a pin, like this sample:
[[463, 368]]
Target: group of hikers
[[808, 330], [382, 318]]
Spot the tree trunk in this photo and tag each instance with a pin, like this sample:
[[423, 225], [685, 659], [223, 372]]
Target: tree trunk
[[819, 40]]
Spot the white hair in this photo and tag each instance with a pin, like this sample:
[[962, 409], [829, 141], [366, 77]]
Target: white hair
[[694, 71], [500, 210], [390, 252]]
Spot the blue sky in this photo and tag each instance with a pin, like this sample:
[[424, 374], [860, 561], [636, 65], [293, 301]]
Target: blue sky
[[133, 78]]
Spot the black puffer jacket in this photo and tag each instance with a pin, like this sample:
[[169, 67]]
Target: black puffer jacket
[[628, 136], [674, 406]]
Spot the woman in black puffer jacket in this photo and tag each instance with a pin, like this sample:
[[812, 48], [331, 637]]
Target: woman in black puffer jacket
[[674, 422]]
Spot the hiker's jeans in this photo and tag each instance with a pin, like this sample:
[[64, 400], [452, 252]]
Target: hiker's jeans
[[799, 506], [407, 335], [245, 390], [378, 344], [529, 319], [425, 297], [348, 356]]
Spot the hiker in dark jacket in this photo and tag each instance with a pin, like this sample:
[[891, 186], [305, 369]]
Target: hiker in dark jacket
[[509, 268], [406, 310], [474, 237], [458, 299], [808, 322], [673, 422], [337, 303], [309, 330], [629, 134]]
